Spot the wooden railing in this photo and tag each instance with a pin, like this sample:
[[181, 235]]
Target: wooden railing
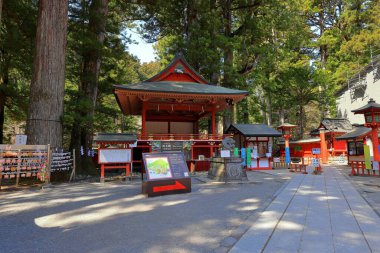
[[183, 137], [358, 169]]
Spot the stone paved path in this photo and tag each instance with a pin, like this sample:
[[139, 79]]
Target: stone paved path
[[315, 213]]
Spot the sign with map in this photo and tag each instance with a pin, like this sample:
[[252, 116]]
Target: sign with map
[[158, 167], [165, 165], [166, 173]]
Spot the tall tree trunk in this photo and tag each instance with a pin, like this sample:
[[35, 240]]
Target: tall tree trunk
[[268, 110], [228, 61], [301, 120], [281, 114], [1, 9], [3, 96], [82, 132], [2, 116], [246, 111], [44, 125]]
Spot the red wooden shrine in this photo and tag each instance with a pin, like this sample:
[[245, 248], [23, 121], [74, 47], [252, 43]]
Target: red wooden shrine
[[356, 139], [257, 137], [171, 104], [325, 137]]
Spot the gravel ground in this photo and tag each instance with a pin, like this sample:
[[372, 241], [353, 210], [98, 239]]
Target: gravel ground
[[115, 217]]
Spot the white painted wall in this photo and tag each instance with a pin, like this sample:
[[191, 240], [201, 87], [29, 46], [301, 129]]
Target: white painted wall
[[345, 104]]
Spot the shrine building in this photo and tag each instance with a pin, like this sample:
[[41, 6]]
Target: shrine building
[[171, 105]]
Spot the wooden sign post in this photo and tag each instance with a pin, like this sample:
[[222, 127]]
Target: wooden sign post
[[114, 159]]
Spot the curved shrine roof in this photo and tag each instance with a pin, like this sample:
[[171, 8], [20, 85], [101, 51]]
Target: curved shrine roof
[[254, 130], [356, 133], [177, 87], [370, 106], [181, 87]]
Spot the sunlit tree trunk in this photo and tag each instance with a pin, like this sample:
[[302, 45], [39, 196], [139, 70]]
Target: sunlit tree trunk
[[44, 124]]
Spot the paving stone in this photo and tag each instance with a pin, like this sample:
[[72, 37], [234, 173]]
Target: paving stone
[[228, 241], [323, 213]]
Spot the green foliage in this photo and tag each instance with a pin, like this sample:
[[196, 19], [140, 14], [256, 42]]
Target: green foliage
[[17, 35], [292, 56]]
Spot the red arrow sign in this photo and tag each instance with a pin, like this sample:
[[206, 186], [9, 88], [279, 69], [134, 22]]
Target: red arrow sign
[[176, 186]]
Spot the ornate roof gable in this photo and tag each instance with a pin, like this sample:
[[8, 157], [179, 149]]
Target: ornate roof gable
[[179, 70]]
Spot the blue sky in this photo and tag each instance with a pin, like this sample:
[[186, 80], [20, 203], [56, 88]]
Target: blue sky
[[144, 51]]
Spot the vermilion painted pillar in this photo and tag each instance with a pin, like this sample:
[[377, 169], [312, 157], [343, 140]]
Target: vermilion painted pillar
[[323, 146], [375, 144], [287, 149], [213, 121], [102, 173], [143, 119]]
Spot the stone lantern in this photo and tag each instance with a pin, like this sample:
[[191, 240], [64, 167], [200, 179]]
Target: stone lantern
[[371, 112], [286, 130]]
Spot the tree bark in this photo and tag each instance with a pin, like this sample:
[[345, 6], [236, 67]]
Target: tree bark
[[228, 61], [82, 132], [268, 110], [3, 97], [301, 120], [2, 116], [44, 124], [1, 9]]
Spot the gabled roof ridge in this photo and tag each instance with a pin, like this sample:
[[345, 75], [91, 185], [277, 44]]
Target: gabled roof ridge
[[177, 58]]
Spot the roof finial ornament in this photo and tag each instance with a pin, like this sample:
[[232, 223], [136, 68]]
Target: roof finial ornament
[[179, 53], [371, 101]]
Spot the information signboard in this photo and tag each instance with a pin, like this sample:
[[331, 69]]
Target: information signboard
[[315, 162], [316, 151], [114, 155], [225, 153], [20, 139], [167, 173], [165, 165], [170, 146]]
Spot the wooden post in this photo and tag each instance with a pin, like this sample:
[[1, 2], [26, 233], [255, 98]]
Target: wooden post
[[18, 167], [127, 171], [72, 176], [213, 121], [323, 145], [143, 119], [49, 151], [102, 173], [375, 144]]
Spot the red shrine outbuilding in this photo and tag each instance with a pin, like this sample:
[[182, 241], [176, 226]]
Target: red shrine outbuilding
[[329, 129], [171, 104]]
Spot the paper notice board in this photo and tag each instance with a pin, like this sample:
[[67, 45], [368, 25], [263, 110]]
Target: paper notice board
[[114, 156]]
